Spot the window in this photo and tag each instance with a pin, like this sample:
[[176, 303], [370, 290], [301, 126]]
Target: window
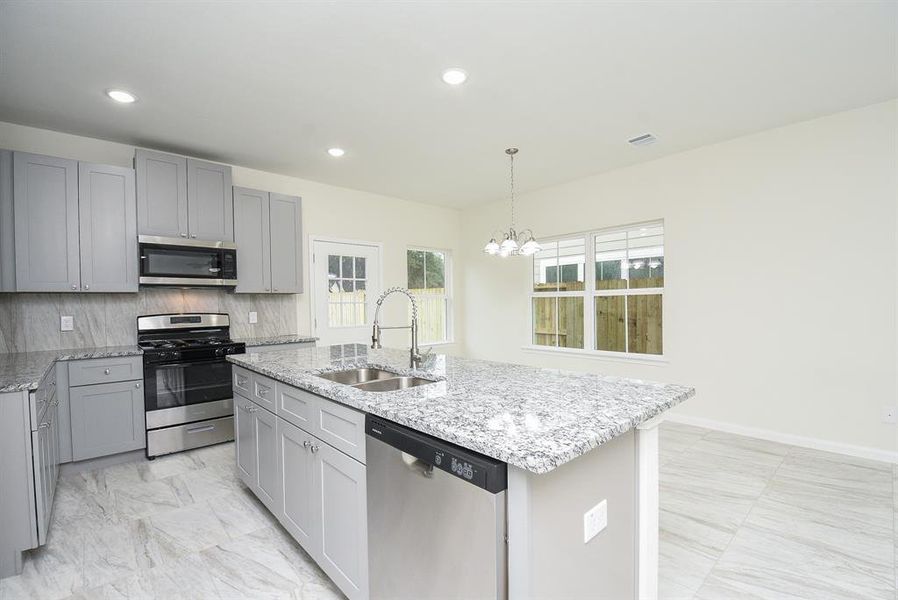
[[346, 285], [429, 281], [618, 308]]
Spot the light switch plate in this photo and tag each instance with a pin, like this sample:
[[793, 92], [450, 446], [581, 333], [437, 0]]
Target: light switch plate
[[253, 317], [595, 520], [66, 323]]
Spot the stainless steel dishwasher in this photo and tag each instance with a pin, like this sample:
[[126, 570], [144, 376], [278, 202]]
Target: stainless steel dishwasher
[[436, 517]]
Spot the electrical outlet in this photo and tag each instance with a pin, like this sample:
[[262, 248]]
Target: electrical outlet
[[595, 520], [890, 414], [66, 323], [253, 317]]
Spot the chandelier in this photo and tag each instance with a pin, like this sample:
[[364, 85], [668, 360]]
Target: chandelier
[[514, 243]]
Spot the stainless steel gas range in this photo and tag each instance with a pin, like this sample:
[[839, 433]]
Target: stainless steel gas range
[[187, 380]]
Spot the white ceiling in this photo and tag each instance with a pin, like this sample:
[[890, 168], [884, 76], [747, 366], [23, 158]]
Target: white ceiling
[[273, 85]]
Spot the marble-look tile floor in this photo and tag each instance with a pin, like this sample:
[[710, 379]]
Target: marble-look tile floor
[[180, 527], [740, 518], [743, 518]]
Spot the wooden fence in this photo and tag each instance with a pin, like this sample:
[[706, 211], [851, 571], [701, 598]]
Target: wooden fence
[[348, 308]]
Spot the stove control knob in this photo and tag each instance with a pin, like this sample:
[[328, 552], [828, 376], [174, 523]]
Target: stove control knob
[[219, 351]]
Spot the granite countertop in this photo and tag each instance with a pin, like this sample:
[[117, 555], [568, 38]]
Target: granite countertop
[[276, 340], [532, 418], [21, 371]]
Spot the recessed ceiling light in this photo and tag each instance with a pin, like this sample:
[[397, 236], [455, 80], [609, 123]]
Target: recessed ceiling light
[[454, 76], [336, 152], [121, 96]]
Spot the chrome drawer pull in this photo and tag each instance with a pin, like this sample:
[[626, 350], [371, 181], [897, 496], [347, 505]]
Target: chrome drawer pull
[[106, 371], [201, 429], [315, 448], [306, 444]]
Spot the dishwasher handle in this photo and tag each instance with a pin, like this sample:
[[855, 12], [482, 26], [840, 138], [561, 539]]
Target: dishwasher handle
[[424, 453]]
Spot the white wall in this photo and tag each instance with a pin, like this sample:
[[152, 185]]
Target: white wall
[[327, 211], [780, 273]]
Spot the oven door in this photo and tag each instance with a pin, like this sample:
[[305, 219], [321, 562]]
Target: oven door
[[184, 392], [165, 261]]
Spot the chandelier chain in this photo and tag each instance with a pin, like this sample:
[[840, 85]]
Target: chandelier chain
[[511, 156]]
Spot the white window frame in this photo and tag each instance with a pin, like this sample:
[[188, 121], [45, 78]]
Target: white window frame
[[589, 295], [447, 296]]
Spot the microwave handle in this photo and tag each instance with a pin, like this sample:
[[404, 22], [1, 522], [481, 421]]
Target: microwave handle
[[214, 269]]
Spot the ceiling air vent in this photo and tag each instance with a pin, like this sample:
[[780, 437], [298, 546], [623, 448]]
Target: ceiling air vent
[[643, 140]]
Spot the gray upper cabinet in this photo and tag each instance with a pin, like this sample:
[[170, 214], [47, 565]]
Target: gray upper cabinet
[[161, 194], [251, 233], [7, 226], [268, 233], [286, 243], [209, 202], [45, 204], [108, 223]]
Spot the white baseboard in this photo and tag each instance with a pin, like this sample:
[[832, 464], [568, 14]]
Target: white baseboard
[[787, 438]]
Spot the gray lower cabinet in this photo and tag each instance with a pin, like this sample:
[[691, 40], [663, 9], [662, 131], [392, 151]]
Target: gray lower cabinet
[[268, 231], [106, 418], [45, 206], [342, 549], [320, 493], [108, 228], [297, 471], [161, 193]]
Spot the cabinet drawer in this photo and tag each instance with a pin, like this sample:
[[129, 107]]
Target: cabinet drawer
[[243, 382], [341, 427], [296, 406], [264, 390], [105, 370]]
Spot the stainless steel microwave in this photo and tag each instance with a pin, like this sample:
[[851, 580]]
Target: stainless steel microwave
[[180, 262]]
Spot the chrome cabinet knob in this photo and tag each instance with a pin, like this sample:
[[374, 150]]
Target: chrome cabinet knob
[[183, 235], [275, 289], [315, 448], [306, 444], [74, 287], [86, 287], [137, 385], [193, 236], [106, 371]]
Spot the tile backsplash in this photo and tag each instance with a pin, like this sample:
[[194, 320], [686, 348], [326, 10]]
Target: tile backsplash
[[30, 321]]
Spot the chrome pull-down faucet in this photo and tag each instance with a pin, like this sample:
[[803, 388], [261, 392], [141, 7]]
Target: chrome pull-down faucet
[[414, 354]]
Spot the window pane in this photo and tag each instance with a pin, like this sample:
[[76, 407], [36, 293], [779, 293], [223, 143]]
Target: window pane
[[611, 332], [611, 260], [435, 267], [558, 322], [544, 322], [560, 266], [570, 322], [347, 266], [347, 285], [431, 319], [644, 323], [415, 261], [333, 266], [360, 267], [646, 253]]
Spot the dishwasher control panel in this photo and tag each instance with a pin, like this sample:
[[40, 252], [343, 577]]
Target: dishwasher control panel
[[484, 472]]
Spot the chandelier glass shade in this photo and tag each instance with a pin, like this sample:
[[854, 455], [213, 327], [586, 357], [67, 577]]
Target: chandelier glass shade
[[513, 242]]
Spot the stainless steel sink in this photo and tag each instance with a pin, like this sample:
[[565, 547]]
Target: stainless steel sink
[[356, 376], [392, 385]]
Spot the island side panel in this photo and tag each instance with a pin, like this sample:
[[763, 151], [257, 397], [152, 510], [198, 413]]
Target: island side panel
[[547, 555], [648, 497]]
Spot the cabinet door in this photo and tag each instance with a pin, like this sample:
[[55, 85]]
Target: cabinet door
[[251, 234], [108, 222], [343, 545], [286, 243], [161, 194], [209, 201], [244, 436], [267, 479], [297, 466], [45, 204], [107, 418]]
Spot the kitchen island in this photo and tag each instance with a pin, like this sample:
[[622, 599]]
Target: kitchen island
[[570, 440]]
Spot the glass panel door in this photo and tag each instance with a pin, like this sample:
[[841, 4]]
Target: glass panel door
[[347, 283]]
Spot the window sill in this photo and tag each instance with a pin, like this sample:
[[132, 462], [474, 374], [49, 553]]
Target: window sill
[[647, 359]]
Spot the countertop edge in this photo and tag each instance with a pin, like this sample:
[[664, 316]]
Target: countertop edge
[[49, 358]]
